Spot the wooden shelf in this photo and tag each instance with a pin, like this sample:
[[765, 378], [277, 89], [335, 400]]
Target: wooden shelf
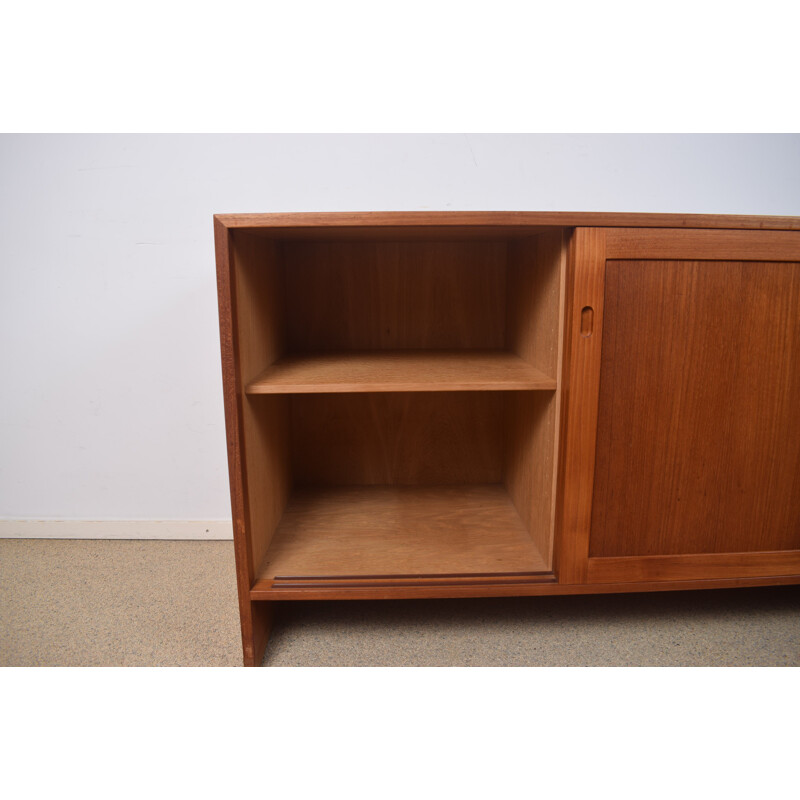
[[400, 532], [401, 371]]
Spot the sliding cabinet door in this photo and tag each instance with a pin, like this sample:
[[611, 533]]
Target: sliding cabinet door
[[682, 449]]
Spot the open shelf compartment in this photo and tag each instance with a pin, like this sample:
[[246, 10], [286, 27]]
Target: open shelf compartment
[[383, 315], [400, 405]]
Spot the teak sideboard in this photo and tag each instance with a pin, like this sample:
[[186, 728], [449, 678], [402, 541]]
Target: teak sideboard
[[508, 403]]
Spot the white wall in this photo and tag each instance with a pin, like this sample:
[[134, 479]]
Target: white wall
[[110, 386]]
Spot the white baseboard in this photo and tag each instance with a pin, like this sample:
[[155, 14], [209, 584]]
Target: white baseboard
[[115, 529]]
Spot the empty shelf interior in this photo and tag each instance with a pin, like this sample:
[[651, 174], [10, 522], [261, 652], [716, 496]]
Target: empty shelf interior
[[368, 531], [423, 375]]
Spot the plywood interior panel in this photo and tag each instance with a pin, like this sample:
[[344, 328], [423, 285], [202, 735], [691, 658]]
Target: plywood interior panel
[[529, 458], [397, 438], [377, 295], [260, 307], [265, 421], [535, 286], [534, 283], [698, 437], [394, 530]]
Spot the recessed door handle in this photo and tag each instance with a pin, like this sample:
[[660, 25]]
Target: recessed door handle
[[587, 320]]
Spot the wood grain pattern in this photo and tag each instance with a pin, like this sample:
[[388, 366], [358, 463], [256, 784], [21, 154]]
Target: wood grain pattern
[[695, 566], [401, 371], [268, 478], [255, 618], [260, 337], [495, 219], [395, 295], [529, 459], [587, 268], [397, 438], [258, 340], [698, 444], [396, 530], [536, 283], [702, 244], [265, 423]]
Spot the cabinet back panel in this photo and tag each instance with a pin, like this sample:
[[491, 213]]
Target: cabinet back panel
[[698, 435], [260, 336], [397, 438], [373, 295]]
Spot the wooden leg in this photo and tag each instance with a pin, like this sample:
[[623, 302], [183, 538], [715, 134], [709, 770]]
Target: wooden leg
[[256, 626]]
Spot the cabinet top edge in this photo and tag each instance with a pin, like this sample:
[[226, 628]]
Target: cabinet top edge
[[370, 219]]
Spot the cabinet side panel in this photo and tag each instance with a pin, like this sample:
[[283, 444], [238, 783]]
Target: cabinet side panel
[[268, 482], [254, 617], [259, 304], [535, 286], [698, 444], [530, 420], [265, 420]]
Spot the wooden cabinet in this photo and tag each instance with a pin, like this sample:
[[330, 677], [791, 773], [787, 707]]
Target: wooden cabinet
[[485, 404]]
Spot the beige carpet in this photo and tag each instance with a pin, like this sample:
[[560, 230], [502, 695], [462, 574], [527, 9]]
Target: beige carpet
[[156, 603]]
